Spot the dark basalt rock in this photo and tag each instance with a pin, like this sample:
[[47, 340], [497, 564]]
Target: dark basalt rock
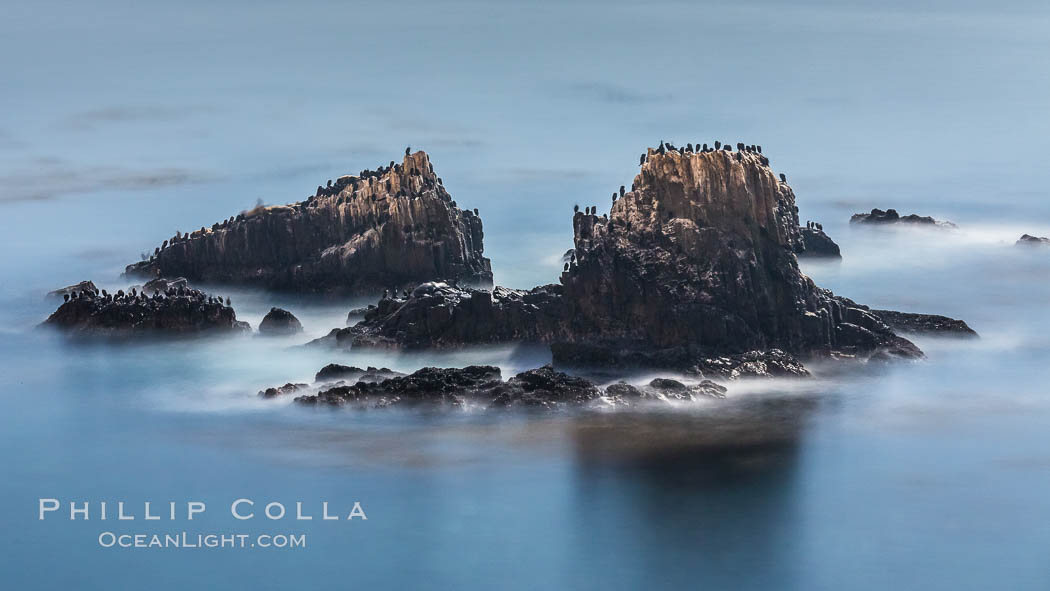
[[1026, 240], [545, 387], [288, 388], [162, 285], [177, 312], [697, 261], [334, 372], [430, 384], [675, 390], [482, 385], [924, 323], [68, 290], [279, 322], [381, 229], [815, 243], [890, 216], [439, 315]]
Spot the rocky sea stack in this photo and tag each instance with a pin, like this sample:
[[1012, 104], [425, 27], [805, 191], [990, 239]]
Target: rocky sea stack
[[178, 311], [382, 229], [695, 263]]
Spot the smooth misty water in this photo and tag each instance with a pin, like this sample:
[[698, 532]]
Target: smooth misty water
[[124, 123]]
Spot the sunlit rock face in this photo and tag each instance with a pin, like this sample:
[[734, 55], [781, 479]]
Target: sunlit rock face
[[696, 260], [700, 254], [383, 229]]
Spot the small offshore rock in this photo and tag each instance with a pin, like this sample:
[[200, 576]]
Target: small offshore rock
[[1029, 240], [279, 322], [890, 216]]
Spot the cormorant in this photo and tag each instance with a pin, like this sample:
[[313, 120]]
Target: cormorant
[[689, 147], [65, 297], [566, 267], [476, 211], [641, 160], [705, 147], [718, 144], [783, 178], [576, 208], [408, 150], [759, 148], [740, 146]]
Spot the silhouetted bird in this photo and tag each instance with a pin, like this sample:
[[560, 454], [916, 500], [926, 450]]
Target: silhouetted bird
[[759, 148], [65, 297], [408, 150], [641, 160], [718, 144], [576, 208], [783, 178], [566, 267]]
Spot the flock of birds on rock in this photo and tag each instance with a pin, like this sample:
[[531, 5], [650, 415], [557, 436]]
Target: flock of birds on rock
[[135, 297], [364, 178]]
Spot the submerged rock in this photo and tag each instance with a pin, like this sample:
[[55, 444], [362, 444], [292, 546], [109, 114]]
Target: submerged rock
[[279, 322], [69, 289], [378, 230], [890, 216], [134, 314], [1029, 240]]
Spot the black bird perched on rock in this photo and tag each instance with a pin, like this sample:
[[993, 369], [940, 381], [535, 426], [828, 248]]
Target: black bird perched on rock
[[740, 146], [476, 212], [689, 148], [576, 208], [759, 148], [614, 198], [65, 297], [408, 150], [705, 147], [783, 178], [641, 160], [622, 190], [566, 267], [718, 145]]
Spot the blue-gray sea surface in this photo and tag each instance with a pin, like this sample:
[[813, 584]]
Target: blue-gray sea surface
[[124, 122]]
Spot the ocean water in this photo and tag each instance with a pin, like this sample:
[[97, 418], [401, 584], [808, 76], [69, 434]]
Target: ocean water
[[127, 121]]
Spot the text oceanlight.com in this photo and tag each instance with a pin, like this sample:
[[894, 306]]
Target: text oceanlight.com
[[186, 540]]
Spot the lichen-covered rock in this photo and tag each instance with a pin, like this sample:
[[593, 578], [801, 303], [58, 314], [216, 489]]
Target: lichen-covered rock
[[890, 216], [384, 229], [178, 311], [279, 322]]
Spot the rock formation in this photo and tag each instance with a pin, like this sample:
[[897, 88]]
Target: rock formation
[[390, 228], [279, 322], [699, 257], [542, 388], [176, 312], [927, 324], [890, 216], [70, 289], [817, 244], [696, 263], [1026, 240]]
